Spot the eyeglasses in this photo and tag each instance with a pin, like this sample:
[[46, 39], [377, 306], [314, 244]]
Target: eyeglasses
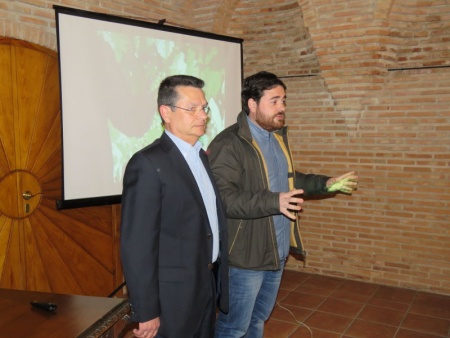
[[193, 110]]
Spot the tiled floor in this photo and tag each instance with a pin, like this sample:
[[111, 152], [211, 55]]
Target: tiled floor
[[328, 307]]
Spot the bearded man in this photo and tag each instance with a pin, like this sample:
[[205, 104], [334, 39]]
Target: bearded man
[[261, 193]]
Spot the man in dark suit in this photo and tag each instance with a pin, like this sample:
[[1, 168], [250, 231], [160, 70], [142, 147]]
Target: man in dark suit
[[173, 224]]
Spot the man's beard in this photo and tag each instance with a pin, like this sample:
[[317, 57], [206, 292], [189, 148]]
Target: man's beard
[[268, 123]]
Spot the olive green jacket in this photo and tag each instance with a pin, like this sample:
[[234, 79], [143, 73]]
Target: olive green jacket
[[241, 175]]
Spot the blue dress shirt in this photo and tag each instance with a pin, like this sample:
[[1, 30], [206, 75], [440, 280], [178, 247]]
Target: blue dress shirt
[[192, 156], [278, 180]]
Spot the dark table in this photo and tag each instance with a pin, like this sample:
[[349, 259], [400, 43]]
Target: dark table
[[75, 316]]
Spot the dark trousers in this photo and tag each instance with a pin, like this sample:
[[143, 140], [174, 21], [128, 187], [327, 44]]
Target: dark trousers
[[208, 321]]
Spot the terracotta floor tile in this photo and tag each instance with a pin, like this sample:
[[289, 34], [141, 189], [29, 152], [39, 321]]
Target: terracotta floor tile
[[293, 278], [362, 288], [337, 308], [341, 307], [313, 290], [433, 301], [282, 293], [432, 312], [363, 329], [278, 329], [402, 333], [328, 322], [304, 332], [303, 300], [395, 294], [383, 303], [324, 282], [289, 286], [426, 324], [381, 315], [355, 291], [289, 313]]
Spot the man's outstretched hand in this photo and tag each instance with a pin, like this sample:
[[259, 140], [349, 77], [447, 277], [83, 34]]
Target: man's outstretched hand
[[290, 201], [345, 183]]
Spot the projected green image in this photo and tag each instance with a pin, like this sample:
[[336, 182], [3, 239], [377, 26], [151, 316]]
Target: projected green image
[[141, 64]]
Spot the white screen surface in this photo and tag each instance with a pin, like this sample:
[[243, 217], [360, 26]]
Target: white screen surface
[[110, 73]]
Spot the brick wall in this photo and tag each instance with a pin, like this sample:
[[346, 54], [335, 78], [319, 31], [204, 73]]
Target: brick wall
[[392, 126], [350, 107]]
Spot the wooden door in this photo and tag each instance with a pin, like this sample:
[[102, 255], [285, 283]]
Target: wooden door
[[41, 248]]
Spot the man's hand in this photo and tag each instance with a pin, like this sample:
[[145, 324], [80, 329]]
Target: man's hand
[[288, 201], [147, 329], [345, 183]]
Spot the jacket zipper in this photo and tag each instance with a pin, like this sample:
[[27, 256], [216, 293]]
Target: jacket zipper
[[272, 231], [235, 237]]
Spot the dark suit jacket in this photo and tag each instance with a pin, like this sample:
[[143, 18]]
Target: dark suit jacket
[[166, 242]]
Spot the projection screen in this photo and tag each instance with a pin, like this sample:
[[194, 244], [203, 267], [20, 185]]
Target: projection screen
[[110, 70]]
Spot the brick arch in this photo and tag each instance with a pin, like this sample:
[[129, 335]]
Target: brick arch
[[350, 45], [275, 37], [223, 16], [382, 8], [309, 12], [419, 33]]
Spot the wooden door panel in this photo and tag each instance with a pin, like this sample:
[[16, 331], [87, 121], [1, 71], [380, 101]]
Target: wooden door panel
[[36, 275], [29, 66], [52, 188], [59, 272], [6, 111], [48, 165], [41, 248], [12, 272], [84, 268], [94, 242], [5, 231], [47, 125]]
